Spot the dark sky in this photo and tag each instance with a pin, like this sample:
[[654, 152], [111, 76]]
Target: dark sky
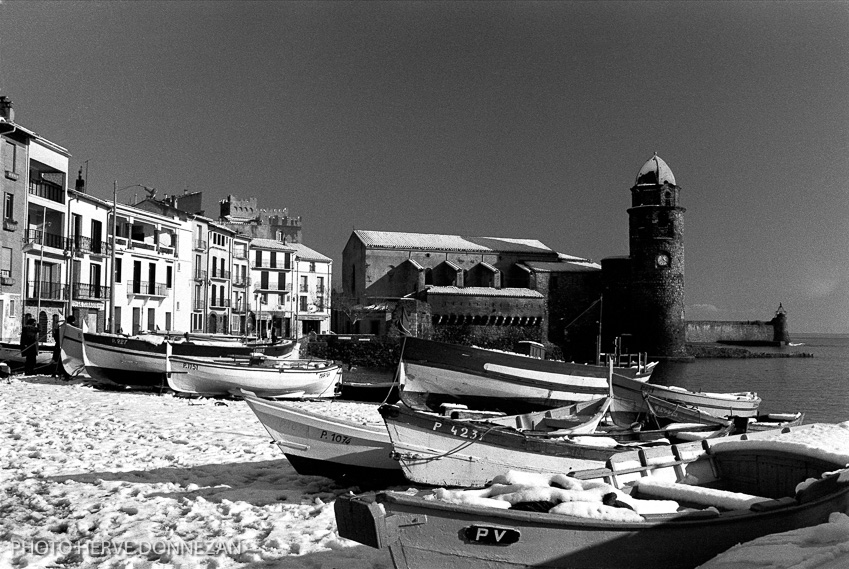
[[516, 119]]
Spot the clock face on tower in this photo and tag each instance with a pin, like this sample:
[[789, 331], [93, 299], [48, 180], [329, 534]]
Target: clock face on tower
[[662, 260]]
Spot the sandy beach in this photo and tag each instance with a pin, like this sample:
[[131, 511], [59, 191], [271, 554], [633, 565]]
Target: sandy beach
[[107, 479]]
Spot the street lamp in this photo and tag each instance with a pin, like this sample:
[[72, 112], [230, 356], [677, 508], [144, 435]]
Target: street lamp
[[115, 191]]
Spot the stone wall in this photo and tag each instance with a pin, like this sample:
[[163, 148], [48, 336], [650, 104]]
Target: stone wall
[[755, 332]]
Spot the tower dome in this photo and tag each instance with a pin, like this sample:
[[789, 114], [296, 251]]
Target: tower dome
[[655, 171]]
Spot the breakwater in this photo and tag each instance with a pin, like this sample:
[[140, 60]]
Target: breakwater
[[709, 350]]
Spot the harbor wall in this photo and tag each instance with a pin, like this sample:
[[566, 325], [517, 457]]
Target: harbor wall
[[754, 333]]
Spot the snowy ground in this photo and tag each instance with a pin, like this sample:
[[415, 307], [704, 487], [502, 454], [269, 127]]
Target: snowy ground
[[104, 479]]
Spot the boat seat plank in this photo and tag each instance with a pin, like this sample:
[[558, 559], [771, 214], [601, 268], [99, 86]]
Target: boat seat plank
[[650, 487]]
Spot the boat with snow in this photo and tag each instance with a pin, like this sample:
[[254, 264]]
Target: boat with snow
[[321, 445], [274, 378], [139, 361], [441, 450], [674, 507]]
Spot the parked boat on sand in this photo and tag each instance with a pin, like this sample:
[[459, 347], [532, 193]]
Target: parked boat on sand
[[440, 451], [433, 373], [321, 445], [265, 377], [139, 361], [671, 507], [71, 353]]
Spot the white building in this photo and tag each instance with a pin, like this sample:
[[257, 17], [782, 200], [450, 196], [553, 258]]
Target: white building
[[310, 306]]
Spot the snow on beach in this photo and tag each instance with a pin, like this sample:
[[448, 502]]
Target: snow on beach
[[108, 479]]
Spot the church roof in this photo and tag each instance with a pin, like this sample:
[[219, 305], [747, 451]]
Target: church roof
[[430, 241], [655, 172]]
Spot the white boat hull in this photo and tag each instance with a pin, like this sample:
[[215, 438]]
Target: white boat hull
[[325, 446], [72, 343], [292, 379]]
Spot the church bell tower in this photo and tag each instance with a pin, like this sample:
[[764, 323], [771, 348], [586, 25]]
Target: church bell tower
[[656, 240]]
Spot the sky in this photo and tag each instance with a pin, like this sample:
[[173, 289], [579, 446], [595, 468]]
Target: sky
[[499, 119]]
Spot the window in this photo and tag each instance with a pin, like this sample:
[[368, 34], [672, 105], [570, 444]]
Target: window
[[197, 267], [118, 270], [151, 319], [9, 206], [214, 267], [273, 263], [312, 266], [169, 273], [319, 287], [305, 287], [11, 157], [258, 261], [167, 320], [6, 262], [281, 281], [303, 304]]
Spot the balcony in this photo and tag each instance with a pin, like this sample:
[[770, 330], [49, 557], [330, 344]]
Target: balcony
[[220, 274], [88, 245], [47, 190], [146, 288], [10, 224], [220, 303], [278, 266], [46, 290], [136, 244], [272, 287], [200, 275], [85, 291], [199, 245], [198, 304], [241, 281], [166, 250], [240, 308], [240, 254], [38, 237]]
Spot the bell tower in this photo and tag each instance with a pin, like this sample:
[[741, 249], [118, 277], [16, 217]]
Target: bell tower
[[656, 240]]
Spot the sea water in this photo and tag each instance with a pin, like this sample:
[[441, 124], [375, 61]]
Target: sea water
[[818, 386]]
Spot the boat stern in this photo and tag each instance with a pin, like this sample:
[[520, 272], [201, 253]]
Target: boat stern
[[361, 519]]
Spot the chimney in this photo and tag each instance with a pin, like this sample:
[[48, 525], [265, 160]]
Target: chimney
[[80, 185], [6, 110]]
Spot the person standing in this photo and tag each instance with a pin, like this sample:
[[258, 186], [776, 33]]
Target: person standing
[[29, 346]]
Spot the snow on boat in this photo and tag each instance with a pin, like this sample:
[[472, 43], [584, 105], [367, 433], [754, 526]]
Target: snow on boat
[[265, 377], [321, 445], [441, 451], [672, 507], [139, 361], [433, 373]]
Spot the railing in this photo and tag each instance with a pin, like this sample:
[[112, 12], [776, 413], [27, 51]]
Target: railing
[[240, 254], [268, 265], [220, 274], [166, 250], [240, 308], [122, 242], [239, 280], [220, 303], [142, 245], [199, 245], [88, 245], [271, 287], [46, 290], [200, 275], [146, 288], [38, 237], [198, 304], [10, 224], [89, 291], [303, 288], [47, 190]]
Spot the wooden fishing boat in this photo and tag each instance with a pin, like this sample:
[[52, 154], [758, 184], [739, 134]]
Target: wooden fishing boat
[[440, 451], [321, 445], [770, 421], [10, 352], [433, 373], [71, 351], [745, 490], [274, 378], [139, 361], [360, 383]]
